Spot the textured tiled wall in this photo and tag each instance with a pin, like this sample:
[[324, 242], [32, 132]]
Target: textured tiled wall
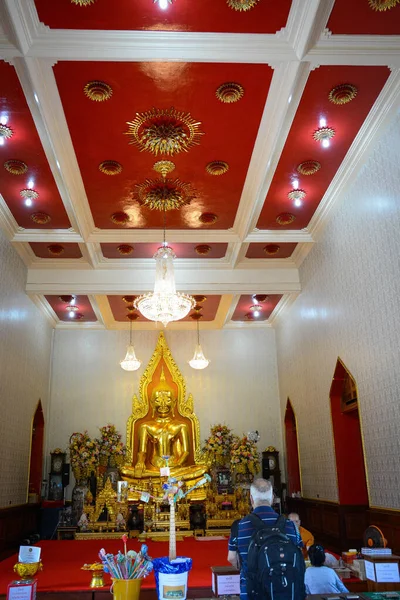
[[240, 386], [350, 307], [25, 345]]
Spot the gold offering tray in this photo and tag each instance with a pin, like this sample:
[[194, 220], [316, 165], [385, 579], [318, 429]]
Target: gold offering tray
[[165, 524], [219, 523], [99, 535], [163, 536]]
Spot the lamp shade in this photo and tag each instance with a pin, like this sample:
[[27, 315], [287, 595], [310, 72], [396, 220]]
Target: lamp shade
[[199, 361], [130, 362]]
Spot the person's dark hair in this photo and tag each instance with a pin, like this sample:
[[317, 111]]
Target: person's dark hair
[[316, 554]]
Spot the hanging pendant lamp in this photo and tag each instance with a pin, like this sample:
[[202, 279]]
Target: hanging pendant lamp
[[199, 361], [130, 362], [165, 304]]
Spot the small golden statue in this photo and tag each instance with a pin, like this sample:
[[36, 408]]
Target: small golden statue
[[162, 425]]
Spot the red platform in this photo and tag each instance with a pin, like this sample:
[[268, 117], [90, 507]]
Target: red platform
[[62, 562]]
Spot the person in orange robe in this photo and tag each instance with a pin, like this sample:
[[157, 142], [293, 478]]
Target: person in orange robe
[[306, 536]]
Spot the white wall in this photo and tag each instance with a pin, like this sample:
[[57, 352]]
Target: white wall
[[350, 307], [24, 373], [239, 388]]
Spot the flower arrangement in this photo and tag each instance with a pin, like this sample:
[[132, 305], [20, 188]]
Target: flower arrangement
[[218, 444], [84, 454], [110, 444], [127, 565], [244, 456]]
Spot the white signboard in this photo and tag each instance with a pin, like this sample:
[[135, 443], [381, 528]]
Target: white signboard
[[370, 570], [29, 554], [387, 572], [228, 585]]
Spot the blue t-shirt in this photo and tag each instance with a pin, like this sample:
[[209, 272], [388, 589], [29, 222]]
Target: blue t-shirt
[[323, 580], [245, 531]]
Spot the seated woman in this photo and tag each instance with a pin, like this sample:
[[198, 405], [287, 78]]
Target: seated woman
[[320, 579]]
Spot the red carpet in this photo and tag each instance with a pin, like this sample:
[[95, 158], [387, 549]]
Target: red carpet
[[62, 562]]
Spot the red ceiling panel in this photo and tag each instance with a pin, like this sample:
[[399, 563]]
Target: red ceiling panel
[[245, 302], [182, 15], [41, 250], [358, 17], [300, 146], [83, 304], [273, 250], [97, 130], [148, 250], [119, 309], [25, 146]]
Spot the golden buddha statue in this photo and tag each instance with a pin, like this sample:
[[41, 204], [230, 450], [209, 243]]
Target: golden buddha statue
[[162, 425]]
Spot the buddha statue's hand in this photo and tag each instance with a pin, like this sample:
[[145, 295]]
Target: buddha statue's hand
[[139, 468]]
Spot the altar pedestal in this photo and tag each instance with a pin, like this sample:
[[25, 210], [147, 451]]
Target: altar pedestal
[[382, 572]]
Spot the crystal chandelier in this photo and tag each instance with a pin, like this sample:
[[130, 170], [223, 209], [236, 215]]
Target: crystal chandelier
[[130, 362], [199, 361], [165, 304]]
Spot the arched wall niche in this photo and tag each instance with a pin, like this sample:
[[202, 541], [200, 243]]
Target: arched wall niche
[[347, 435], [292, 451], [36, 454]]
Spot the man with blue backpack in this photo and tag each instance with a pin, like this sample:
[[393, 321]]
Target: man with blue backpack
[[267, 549]]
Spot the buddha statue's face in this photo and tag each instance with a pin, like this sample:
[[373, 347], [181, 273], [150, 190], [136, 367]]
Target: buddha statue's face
[[163, 403]]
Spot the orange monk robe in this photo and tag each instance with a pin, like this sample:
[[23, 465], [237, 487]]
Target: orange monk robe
[[306, 537]]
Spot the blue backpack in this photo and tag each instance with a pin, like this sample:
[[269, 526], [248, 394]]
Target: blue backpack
[[275, 565]]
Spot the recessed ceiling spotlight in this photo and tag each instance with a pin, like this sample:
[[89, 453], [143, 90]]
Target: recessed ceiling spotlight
[[256, 309], [322, 122], [297, 202], [163, 3], [295, 184], [28, 202], [4, 119], [36, 97], [31, 183]]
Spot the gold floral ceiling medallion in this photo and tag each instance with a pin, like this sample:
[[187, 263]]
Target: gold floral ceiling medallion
[[217, 167], [164, 167], [200, 298], [125, 249], [83, 2], [29, 194], [120, 218], [110, 167], [208, 218], [41, 218], [203, 249], [55, 249], [382, 5], [285, 218], [15, 167], [342, 94], [271, 249], [241, 5], [128, 299], [5, 131], [308, 167], [229, 92], [98, 91], [165, 131], [323, 133], [164, 194], [296, 195]]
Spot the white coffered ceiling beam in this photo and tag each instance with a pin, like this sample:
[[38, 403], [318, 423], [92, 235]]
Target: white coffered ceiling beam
[[40, 89], [216, 281]]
